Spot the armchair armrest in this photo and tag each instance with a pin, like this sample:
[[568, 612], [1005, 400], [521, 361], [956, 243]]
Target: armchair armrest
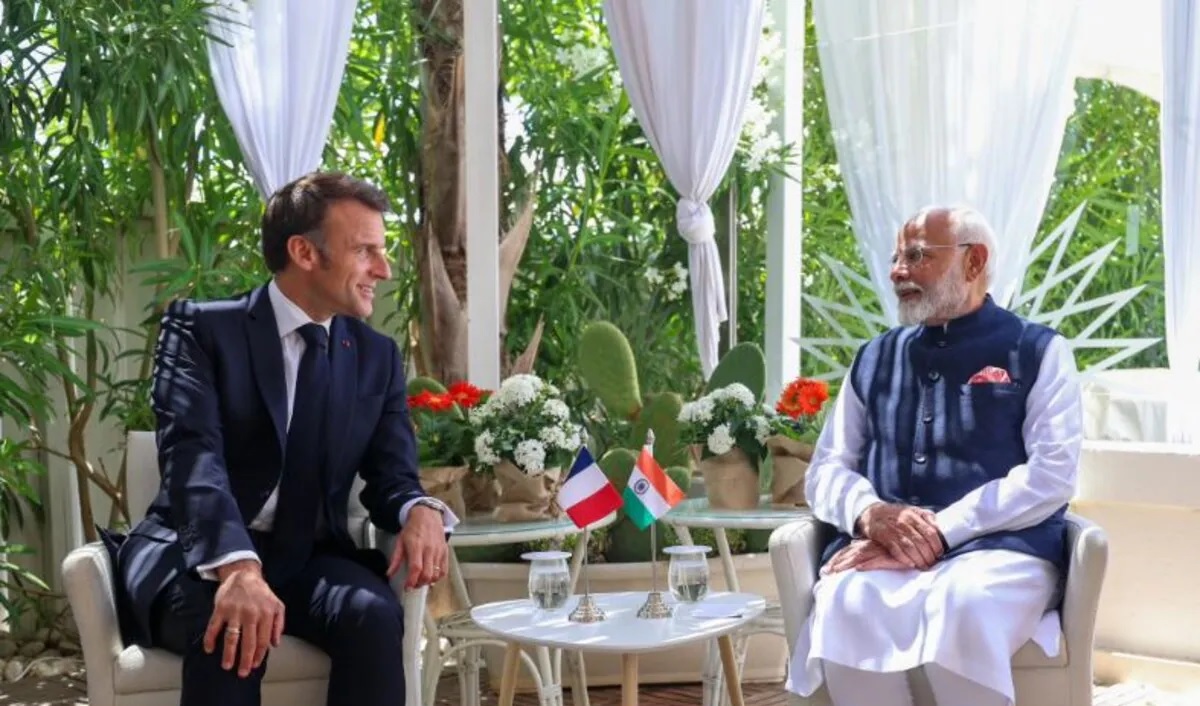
[[413, 603], [1086, 566], [88, 580], [795, 550]]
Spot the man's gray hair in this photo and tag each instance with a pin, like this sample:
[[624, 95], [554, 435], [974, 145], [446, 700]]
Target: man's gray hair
[[966, 226]]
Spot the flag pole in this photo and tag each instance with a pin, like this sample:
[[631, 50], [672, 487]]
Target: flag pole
[[653, 557], [654, 607], [587, 611]]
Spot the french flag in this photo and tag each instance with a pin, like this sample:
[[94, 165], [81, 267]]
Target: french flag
[[585, 494]]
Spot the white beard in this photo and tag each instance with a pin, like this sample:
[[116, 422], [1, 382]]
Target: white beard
[[939, 301]]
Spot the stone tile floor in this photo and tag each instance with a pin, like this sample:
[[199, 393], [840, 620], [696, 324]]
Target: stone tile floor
[[72, 691]]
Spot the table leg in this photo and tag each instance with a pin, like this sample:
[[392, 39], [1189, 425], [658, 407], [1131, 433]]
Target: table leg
[[579, 687], [629, 680], [731, 579], [508, 678], [733, 680], [732, 584]]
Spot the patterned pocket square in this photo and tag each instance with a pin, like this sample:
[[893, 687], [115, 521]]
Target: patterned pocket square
[[989, 375]]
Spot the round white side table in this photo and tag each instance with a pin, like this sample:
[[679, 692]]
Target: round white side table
[[518, 623], [694, 513], [465, 637]]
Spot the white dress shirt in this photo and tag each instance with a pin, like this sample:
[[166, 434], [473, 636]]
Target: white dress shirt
[[289, 318]]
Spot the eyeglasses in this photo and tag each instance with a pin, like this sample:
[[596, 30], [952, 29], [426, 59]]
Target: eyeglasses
[[914, 256]]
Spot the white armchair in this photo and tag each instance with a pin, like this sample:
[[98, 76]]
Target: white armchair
[[120, 675], [1065, 680]]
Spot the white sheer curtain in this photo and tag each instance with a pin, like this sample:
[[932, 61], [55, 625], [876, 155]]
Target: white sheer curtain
[[947, 101], [277, 66], [1181, 208], [687, 66]]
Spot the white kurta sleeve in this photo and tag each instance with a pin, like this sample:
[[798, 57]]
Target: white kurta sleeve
[[835, 488], [1034, 490]]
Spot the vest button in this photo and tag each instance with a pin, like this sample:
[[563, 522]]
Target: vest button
[[928, 419], [942, 343], [914, 500], [935, 376], [919, 458]]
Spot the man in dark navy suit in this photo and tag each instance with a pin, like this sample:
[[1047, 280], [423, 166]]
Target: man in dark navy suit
[[267, 407]]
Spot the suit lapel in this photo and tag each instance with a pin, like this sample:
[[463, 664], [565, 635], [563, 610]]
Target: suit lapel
[[266, 353], [343, 390]]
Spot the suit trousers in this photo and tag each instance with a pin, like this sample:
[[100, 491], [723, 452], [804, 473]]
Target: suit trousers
[[335, 602]]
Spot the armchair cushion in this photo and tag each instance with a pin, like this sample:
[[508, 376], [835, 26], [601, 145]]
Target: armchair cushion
[[139, 669]]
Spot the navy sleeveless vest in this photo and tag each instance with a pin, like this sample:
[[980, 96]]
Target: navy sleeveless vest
[[932, 437]]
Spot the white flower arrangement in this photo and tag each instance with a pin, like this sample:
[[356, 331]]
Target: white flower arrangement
[[674, 281], [526, 423], [727, 418]]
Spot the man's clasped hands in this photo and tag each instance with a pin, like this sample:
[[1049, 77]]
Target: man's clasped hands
[[891, 536]]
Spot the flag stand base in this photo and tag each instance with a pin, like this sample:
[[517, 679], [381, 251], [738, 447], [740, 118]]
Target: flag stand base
[[587, 611], [654, 607]]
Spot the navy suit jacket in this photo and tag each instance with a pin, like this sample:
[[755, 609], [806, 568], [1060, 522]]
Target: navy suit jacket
[[220, 399]]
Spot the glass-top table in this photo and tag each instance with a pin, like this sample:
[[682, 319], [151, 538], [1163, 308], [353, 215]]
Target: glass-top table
[[486, 532], [467, 638], [695, 513]]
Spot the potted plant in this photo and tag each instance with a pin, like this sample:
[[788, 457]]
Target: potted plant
[[728, 430], [445, 440], [799, 417], [523, 435]]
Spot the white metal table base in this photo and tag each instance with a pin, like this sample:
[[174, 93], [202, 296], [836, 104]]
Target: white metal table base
[[466, 641]]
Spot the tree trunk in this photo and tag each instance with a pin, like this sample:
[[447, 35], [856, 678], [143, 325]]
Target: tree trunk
[[441, 237]]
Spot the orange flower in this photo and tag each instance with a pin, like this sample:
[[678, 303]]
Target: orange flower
[[804, 397]]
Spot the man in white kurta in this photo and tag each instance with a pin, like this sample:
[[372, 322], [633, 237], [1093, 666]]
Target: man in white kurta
[[946, 465]]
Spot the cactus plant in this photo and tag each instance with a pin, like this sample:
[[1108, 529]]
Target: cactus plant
[[606, 364], [617, 465], [744, 363], [422, 384], [661, 413]]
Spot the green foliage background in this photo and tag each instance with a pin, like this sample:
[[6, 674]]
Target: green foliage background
[[108, 118]]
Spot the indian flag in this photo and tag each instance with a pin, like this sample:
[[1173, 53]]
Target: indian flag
[[651, 492]]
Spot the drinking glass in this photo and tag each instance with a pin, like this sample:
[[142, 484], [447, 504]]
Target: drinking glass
[[687, 575], [549, 579]]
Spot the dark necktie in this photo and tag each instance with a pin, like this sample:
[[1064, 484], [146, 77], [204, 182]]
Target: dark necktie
[[299, 501]]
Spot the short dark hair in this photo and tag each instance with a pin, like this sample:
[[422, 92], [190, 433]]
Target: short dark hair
[[299, 209]]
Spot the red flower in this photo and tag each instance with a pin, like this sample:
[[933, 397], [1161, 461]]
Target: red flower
[[422, 399], [431, 400], [441, 403], [465, 394], [804, 397]]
